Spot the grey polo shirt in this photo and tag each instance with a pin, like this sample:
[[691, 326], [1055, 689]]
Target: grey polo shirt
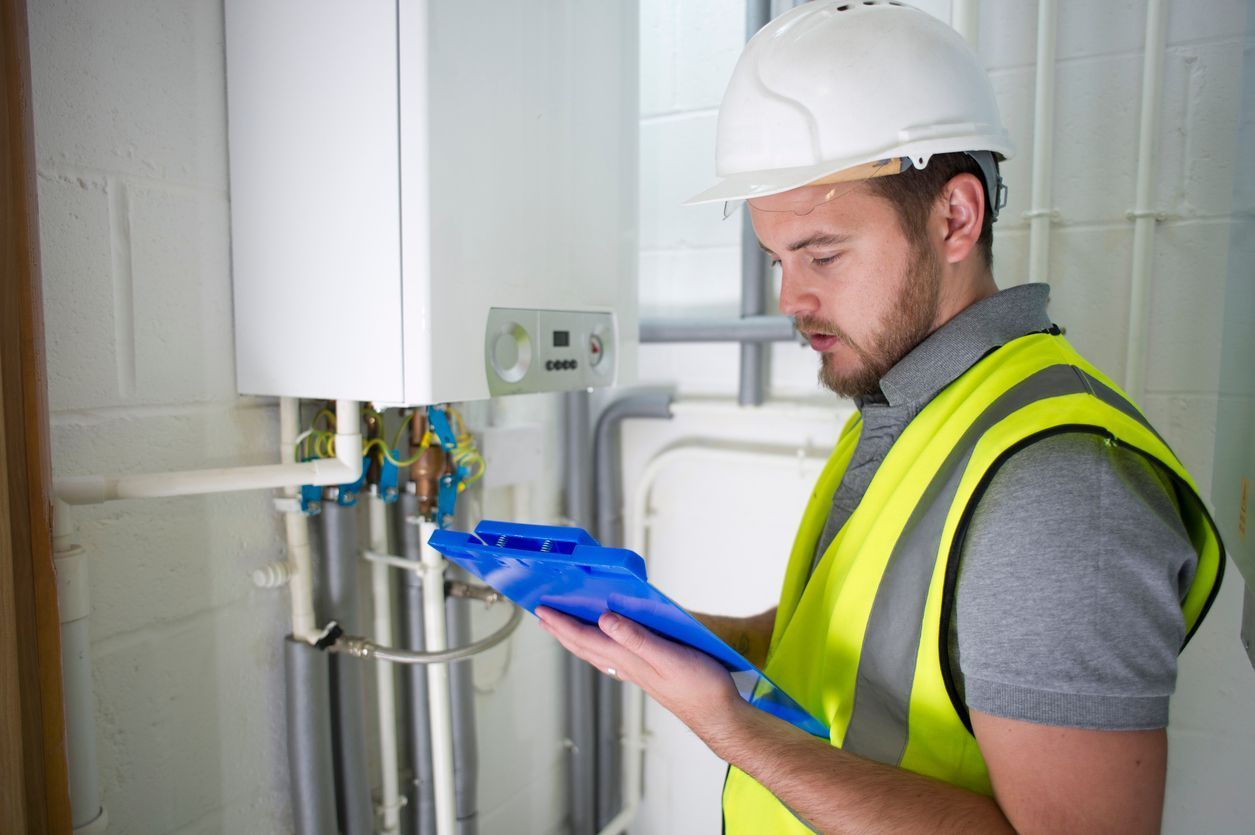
[[1067, 609]]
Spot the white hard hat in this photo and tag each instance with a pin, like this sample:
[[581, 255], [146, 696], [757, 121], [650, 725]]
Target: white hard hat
[[837, 90]]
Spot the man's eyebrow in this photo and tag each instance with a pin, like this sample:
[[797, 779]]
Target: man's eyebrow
[[819, 239]]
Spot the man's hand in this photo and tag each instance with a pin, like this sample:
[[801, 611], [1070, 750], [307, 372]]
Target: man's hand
[[688, 683]]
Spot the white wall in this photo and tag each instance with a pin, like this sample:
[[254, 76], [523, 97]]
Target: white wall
[[130, 129], [690, 262]]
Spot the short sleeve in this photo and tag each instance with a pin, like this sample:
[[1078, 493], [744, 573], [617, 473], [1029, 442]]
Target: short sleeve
[[1068, 603]]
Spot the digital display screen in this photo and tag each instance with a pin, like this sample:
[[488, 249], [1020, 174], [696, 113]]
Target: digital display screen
[[561, 339]]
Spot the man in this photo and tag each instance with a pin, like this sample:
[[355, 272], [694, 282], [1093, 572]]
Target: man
[[1002, 559]]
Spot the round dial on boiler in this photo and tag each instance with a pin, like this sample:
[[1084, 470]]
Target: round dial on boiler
[[512, 352]]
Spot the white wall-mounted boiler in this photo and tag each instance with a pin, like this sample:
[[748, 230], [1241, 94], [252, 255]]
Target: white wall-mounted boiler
[[432, 200]]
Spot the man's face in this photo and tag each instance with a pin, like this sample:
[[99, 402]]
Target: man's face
[[859, 290]]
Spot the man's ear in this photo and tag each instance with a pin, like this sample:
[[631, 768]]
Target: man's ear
[[962, 210]]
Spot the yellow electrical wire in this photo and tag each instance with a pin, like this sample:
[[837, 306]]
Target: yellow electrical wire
[[396, 440]]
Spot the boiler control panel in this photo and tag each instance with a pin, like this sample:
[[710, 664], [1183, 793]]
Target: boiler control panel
[[548, 350]]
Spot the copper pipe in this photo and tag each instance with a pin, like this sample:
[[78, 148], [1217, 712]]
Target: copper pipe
[[426, 471]]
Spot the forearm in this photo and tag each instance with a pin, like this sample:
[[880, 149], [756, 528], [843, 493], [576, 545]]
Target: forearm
[[837, 792], [749, 636]]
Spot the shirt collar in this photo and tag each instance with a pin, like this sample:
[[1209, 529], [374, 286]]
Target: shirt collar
[[960, 343]]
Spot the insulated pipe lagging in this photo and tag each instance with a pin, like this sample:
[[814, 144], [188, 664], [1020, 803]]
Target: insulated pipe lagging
[[339, 596], [308, 681], [578, 678], [422, 809], [607, 472]]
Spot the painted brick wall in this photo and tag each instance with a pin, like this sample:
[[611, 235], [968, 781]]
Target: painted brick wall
[[690, 264]]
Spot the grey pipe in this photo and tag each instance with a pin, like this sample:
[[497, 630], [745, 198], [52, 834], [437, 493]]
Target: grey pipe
[[337, 599], [465, 741], [752, 389], [422, 806], [752, 329], [607, 457], [754, 355], [607, 469], [579, 677], [308, 676]]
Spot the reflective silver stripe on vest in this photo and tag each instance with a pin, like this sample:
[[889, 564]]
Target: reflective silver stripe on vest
[[886, 670]]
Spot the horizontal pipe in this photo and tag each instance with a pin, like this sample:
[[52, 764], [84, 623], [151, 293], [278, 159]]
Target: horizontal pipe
[[345, 468], [747, 329]]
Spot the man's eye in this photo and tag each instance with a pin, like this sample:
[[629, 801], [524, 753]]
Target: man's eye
[[825, 261]]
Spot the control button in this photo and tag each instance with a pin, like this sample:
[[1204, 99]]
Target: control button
[[549, 365], [511, 352], [596, 350], [575, 363]]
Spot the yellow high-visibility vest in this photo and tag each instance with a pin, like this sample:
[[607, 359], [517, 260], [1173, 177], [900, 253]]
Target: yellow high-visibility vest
[[861, 643]]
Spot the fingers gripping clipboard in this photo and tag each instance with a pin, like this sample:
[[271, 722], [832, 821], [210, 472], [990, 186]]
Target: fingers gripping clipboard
[[567, 570]]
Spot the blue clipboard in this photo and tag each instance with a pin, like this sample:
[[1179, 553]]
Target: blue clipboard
[[567, 570]]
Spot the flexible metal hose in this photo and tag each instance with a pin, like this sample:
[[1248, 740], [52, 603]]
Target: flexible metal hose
[[362, 648]]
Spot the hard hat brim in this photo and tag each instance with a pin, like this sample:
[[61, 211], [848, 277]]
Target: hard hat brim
[[751, 184], [748, 185]]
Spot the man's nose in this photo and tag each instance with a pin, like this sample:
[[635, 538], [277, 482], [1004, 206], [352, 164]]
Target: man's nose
[[796, 299]]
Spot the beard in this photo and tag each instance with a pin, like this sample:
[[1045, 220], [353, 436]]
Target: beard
[[904, 326]]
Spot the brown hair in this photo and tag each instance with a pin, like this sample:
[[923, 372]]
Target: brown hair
[[914, 192]]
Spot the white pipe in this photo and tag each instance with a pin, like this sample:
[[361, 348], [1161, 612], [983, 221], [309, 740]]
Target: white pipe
[[296, 526], [706, 453], [87, 814], [438, 701], [381, 591], [345, 468], [965, 18], [1042, 214], [1143, 215]]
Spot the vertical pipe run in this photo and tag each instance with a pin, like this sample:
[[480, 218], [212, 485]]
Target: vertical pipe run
[[308, 674], [752, 389], [1041, 215], [338, 595], [438, 702], [296, 526], [465, 741], [580, 678], [965, 18], [74, 609], [385, 682], [609, 480], [1143, 214], [422, 814]]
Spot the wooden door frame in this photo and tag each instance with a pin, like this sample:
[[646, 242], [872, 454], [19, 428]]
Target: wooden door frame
[[34, 786]]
